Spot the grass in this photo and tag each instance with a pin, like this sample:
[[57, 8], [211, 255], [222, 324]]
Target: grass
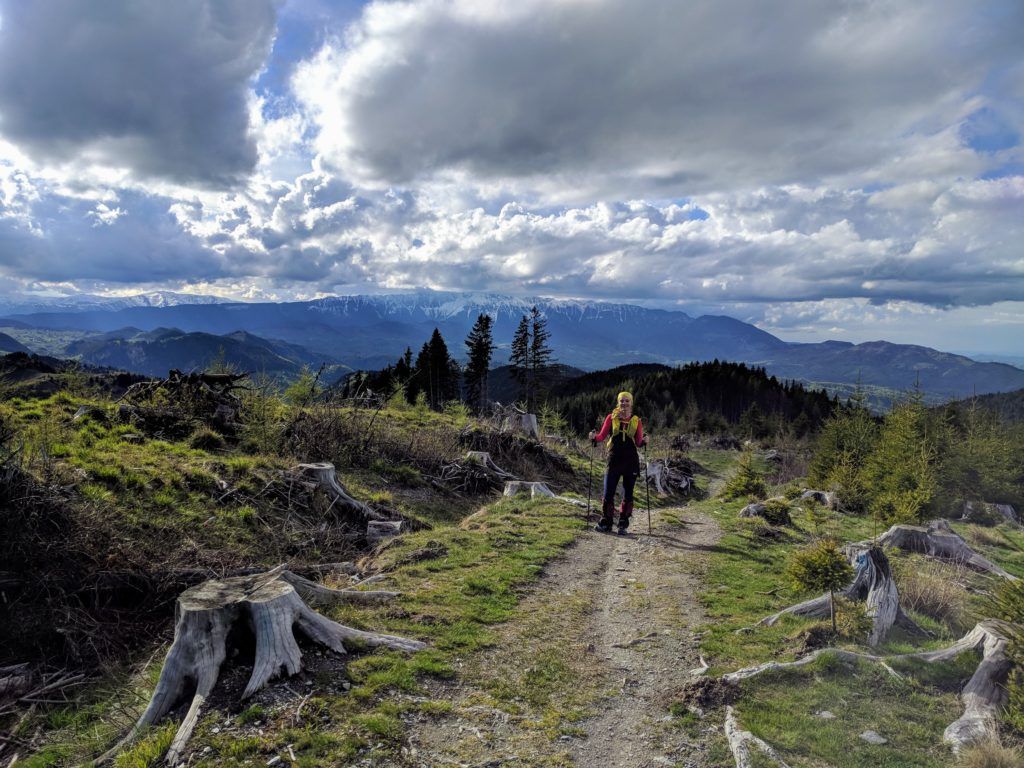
[[745, 582]]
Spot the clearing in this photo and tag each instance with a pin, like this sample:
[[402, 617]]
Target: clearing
[[584, 674]]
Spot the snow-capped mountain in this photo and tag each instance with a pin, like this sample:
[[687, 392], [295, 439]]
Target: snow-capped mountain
[[370, 331], [81, 302]]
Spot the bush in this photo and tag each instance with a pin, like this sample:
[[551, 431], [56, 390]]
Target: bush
[[932, 588], [205, 439], [747, 482], [776, 512], [820, 567]]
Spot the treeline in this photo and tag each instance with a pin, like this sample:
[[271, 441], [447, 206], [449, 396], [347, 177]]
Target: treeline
[[916, 462], [437, 378], [698, 397]]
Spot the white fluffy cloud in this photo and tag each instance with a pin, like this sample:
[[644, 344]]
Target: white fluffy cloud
[[847, 167]]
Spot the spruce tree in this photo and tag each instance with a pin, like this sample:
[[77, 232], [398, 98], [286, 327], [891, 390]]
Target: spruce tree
[[519, 359], [540, 358], [479, 348]]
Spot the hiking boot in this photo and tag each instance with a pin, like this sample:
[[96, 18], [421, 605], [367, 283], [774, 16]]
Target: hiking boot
[[625, 512], [622, 530], [603, 527]]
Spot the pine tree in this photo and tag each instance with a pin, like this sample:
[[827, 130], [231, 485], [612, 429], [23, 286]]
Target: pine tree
[[844, 446], [900, 472], [519, 360], [540, 358], [479, 348]]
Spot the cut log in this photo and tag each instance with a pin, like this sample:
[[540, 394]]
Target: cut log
[[984, 696], [323, 475], [740, 742], [940, 541], [872, 584], [272, 604]]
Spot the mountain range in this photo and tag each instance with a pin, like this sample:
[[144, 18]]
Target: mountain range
[[369, 331]]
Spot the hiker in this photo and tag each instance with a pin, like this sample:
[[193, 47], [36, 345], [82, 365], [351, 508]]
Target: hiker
[[624, 433]]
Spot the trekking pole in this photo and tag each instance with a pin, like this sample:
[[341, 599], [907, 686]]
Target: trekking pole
[[590, 478], [647, 487]]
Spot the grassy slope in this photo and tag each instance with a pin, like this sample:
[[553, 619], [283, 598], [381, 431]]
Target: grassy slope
[[743, 586]]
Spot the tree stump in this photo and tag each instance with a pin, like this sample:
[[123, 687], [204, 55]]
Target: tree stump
[[940, 541], [666, 478], [872, 584], [533, 490], [984, 696], [981, 511], [523, 422], [483, 458], [323, 475], [273, 605], [824, 498]]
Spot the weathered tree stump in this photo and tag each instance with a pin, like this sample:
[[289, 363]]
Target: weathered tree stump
[[522, 422], [273, 604], [323, 475], [984, 696], [872, 584], [666, 479], [983, 511], [824, 498], [940, 541]]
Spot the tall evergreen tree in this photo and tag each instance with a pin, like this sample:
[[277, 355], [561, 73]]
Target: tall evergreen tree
[[479, 349], [519, 359], [540, 359]]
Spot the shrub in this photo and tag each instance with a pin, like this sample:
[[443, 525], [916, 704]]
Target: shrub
[[932, 588], [776, 512], [820, 567], [852, 621], [747, 482], [205, 439], [990, 754]]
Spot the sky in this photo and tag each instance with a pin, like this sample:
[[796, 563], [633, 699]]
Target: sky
[[850, 169]]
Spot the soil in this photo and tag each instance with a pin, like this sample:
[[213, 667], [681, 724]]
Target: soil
[[617, 616]]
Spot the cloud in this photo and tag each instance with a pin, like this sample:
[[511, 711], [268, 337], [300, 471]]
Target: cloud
[[578, 98], [158, 88]]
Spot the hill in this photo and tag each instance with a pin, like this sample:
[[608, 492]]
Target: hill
[[157, 351], [369, 332], [8, 344], [704, 396]]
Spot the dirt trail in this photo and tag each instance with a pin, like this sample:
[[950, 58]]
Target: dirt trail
[[612, 623]]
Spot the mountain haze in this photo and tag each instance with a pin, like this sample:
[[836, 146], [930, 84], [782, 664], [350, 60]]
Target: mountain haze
[[372, 331]]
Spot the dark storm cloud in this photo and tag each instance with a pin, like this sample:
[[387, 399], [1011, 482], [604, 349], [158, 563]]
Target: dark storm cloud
[[651, 97], [157, 86]]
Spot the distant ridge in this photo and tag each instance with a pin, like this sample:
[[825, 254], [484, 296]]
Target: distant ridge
[[371, 331]]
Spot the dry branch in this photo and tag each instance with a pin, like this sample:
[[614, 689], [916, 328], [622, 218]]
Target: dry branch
[[740, 742]]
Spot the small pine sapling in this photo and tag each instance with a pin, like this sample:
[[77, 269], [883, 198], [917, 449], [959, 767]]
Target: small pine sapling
[[820, 566]]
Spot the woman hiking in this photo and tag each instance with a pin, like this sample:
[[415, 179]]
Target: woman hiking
[[624, 433]]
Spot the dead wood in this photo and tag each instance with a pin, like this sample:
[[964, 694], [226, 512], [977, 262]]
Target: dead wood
[[940, 541], [983, 696], [872, 585], [273, 604], [740, 743]]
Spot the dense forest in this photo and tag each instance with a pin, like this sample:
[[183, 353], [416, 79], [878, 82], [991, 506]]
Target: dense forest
[[704, 397]]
